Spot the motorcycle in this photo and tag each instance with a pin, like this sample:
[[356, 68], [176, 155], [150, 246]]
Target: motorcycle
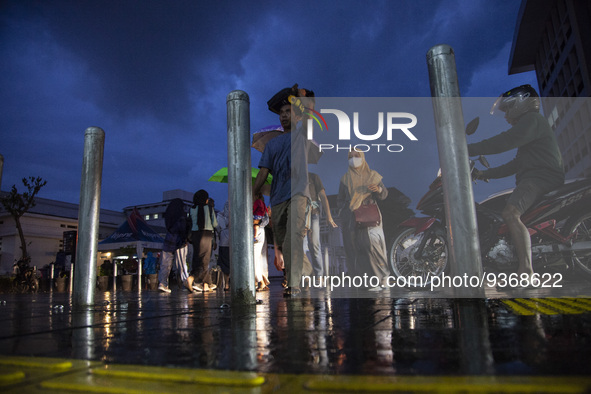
[[26, 277], [559, 226]]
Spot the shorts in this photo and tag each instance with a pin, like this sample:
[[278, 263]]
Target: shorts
[[526, 194]]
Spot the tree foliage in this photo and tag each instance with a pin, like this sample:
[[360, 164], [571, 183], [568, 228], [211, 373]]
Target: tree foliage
[[17, 204]]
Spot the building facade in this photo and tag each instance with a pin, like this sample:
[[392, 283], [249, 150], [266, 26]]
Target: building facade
[[47, 227], [553, 37]]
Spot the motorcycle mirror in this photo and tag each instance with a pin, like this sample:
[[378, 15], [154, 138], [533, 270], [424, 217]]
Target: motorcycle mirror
[[472, 126], [483, 161]]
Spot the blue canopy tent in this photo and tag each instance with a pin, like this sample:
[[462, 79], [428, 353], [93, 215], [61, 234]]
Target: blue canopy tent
[[134, 232]]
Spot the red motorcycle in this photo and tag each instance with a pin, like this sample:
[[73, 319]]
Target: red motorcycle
[[559, 225]]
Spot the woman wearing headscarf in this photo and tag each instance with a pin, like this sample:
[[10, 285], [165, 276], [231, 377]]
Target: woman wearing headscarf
[[175, 244], [364, 243], [204, 221]]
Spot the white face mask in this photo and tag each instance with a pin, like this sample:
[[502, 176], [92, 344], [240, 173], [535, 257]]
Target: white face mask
[[355, 162]]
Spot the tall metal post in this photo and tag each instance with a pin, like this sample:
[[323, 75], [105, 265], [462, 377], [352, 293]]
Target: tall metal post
[[462, 233], [88, 217], [240, 198]]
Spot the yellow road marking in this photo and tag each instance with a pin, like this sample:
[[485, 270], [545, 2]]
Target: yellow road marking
[[43, 363], [444, 384], [120, 379], [583, 300], [11, 377], [520, 310], [573, 303], [204, 376], [549, 306], [62, 385], [536, 306], [553, 303]]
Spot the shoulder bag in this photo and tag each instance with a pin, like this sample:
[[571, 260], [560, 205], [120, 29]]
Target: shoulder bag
[[367, 215]]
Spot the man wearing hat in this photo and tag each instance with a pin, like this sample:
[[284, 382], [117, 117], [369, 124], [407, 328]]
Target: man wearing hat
[[285, 157]]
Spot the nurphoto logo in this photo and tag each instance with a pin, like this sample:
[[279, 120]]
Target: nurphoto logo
[[395, 123]]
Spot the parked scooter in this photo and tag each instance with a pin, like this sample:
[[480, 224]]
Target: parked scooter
[[559, 226], [26, 277]]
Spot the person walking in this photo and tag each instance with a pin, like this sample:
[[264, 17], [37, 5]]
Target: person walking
[[318, 199], [363, 234], [261, 267], [204, 221], [286, 158], [175, 244]]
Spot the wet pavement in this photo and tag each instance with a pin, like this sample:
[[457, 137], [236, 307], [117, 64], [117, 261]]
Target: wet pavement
[[315, 335]]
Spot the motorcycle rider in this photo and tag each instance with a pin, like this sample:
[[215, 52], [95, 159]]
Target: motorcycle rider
[[538, 166]]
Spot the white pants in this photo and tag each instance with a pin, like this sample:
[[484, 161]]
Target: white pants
[[180, 265], [261, 269]]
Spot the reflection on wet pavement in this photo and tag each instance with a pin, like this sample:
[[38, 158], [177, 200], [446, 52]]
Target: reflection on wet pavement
[[304, 335]]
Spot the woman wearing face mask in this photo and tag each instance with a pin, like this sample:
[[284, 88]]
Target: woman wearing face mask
[[365, 244]]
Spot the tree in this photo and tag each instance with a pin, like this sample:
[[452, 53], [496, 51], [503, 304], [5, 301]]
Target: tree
[[18, 204]]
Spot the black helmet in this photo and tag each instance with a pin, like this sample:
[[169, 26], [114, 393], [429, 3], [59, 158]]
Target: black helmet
[[517, 101]]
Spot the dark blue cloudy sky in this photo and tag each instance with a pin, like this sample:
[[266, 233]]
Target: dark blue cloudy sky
[[155, 76]]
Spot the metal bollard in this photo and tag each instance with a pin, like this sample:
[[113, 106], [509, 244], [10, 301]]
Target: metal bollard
[[88, 217], [462, 232], [71, 285], [114, 276], [51, 276], [140, 272], [240, 198]]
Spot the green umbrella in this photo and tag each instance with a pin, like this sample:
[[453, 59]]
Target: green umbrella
[[221, 176]]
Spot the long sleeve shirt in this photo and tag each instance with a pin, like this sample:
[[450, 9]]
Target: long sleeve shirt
[[538, 156]]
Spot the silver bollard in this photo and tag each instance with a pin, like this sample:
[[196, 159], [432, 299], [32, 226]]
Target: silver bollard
[[462, 232], [140, 272], [88, 217], [240, 198], [51, 276], [114, 276], [71, 286]]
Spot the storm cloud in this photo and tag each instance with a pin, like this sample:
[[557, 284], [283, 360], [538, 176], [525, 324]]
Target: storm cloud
[[155, 76]]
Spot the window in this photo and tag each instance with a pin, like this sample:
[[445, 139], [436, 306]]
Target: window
[[155, 216], [147, 217]]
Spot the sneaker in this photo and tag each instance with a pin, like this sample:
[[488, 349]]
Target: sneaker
[[197, 287], [163, 288], [213, 287]]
